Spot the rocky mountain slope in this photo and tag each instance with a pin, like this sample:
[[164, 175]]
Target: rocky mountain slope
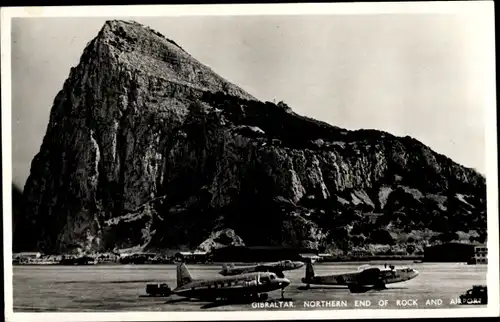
[[148, 148], [17, 205]]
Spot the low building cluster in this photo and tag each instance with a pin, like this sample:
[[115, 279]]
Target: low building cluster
[[457, 252], [452, 252]]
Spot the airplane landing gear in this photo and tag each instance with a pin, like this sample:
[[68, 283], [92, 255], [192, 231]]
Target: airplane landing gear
[[282, 293], [380, 287], [260, 296]]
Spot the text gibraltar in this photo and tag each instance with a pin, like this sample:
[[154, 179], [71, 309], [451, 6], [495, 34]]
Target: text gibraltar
[[272, 305]]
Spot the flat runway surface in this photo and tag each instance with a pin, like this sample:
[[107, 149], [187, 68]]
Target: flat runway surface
[[102, 288]]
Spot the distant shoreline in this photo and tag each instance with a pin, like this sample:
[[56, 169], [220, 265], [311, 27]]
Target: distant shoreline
[[418, 259]]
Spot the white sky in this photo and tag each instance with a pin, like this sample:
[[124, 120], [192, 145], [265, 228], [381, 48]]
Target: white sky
[[415, 74]]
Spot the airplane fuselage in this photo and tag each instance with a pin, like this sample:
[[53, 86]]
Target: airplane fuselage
[[276, 266], [387, 276], [232, 286]]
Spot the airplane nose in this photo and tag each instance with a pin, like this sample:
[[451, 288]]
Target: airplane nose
[[283, 282], [415, 273], [298, 264]]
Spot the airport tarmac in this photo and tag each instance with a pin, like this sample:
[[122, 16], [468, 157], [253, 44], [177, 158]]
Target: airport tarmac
[[102, 288]]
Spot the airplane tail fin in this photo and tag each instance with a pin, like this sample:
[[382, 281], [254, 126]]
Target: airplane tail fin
[[309, 270], [183, 275]]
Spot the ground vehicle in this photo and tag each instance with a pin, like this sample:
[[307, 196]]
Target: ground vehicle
[[478, 294], [159, 289]]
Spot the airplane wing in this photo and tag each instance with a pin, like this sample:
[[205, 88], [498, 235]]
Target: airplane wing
[[269, 268], [365, 280], [369, 276]]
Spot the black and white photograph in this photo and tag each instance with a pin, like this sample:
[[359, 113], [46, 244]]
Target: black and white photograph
[[250, 161]]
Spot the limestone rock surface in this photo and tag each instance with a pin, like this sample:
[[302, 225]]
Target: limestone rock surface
[[148, 148]]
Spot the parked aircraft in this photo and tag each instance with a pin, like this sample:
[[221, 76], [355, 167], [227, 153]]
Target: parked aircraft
[[246, 285], [366, 278], [275, 267]]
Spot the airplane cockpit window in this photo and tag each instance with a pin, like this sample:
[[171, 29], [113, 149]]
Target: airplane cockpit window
[[272, 277], [265, 279]]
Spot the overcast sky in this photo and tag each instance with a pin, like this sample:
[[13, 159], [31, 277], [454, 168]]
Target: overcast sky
[[420, 75]]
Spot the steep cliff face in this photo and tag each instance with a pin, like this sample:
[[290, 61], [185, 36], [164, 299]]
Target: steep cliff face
[[148, 148], [17, 205]]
